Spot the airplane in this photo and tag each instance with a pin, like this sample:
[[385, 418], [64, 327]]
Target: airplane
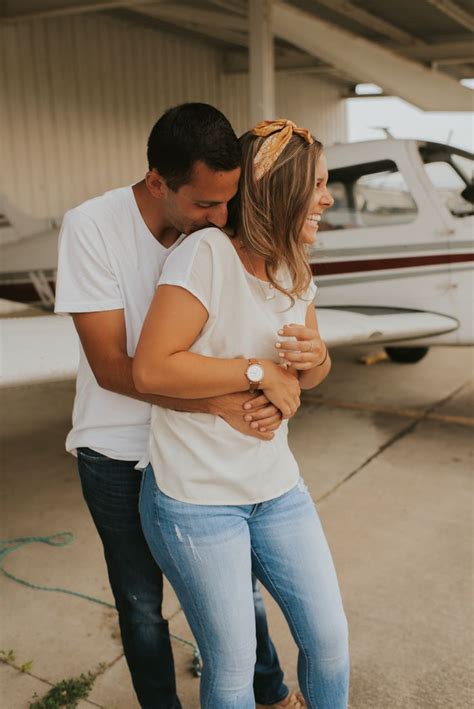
[[393, 260], [32, 243], [396, 249]]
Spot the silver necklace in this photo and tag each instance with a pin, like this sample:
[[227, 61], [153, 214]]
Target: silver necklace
[[268, 295]]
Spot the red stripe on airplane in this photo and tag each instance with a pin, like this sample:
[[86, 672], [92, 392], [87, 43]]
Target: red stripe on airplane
[[323, 268]]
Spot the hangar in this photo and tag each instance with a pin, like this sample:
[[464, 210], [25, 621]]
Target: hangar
[[82, 81]]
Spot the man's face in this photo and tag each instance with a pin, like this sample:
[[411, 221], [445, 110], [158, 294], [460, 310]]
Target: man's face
[[202, 202]]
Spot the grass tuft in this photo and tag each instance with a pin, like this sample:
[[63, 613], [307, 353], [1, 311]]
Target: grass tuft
[[67, 693]]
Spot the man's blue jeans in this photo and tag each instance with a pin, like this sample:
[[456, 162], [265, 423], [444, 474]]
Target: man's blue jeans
[[208, 553], [111, 489]]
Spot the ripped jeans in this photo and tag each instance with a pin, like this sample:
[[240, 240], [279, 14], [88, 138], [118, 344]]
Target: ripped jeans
[[208, 553]]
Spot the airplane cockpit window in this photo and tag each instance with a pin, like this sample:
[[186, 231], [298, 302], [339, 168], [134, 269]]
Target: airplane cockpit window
[[372, 194], [451, 174], [464, 165]]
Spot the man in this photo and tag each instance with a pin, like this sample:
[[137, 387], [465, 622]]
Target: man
[[112, 249]]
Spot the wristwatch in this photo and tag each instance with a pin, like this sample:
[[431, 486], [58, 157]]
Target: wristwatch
[[254, 374]]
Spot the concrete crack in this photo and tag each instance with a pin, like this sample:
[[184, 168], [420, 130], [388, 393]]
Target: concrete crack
[[392, 411], [423, 416]]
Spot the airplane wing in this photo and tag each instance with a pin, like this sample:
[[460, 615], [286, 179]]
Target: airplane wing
[[45, 348], [358, 326]]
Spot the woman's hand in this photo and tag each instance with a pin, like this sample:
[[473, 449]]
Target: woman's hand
[[281, 387], [306, 351]]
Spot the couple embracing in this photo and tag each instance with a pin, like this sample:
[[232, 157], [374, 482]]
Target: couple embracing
[[193, 300]]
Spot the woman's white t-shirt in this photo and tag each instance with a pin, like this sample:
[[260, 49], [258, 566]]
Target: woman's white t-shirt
[[199, 458]]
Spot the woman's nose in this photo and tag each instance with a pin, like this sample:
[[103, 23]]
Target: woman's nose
[[328, 199]]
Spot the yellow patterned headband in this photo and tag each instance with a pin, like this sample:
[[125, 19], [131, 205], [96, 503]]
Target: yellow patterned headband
[[278, 134]]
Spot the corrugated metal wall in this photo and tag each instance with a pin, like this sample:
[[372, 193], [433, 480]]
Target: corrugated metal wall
[[314, 104], [306, 100], [81, 93]]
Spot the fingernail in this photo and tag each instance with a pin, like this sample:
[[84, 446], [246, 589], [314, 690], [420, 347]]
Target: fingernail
[[282, 354], [254, 425], [247, 418], [278, 345], [247, 406], [280, 332]]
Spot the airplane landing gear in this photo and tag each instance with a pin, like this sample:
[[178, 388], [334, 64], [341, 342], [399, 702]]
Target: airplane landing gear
[[406, 355]]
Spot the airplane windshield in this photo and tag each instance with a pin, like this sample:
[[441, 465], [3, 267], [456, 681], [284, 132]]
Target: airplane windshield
[[451, 174], [371, 194], [465, 166]]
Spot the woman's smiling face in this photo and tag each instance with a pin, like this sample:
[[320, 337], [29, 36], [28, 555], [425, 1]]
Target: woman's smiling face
[[320, 201]]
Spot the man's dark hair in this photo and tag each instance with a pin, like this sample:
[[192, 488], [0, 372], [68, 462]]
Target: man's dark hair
[[189, 133]]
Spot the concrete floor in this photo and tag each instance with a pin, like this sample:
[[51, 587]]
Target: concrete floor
[[387, 451]]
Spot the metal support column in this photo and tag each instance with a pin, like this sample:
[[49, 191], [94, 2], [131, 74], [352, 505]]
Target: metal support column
[[261, 61]]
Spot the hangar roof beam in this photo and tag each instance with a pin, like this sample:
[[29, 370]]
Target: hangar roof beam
[[367, 19], [32, 9], [177, 21], [457, 49], [402, 32], [240, 8], [455, 12], [188, 14], [425, 88]]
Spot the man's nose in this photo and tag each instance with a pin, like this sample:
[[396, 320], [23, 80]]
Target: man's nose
[[218, 215]]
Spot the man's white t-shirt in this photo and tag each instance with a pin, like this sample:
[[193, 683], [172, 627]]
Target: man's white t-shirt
[[108, 260], [199, 458]]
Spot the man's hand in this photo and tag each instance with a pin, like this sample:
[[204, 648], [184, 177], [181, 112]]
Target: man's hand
[[262, 414], [255, 416]]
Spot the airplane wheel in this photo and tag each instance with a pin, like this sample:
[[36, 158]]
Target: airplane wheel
[[406, 355]]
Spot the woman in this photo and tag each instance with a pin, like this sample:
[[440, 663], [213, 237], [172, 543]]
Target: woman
[[233, 313]]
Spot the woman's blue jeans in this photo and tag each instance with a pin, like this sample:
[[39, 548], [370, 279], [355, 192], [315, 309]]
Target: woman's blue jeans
[[111, 489], [208, 553]]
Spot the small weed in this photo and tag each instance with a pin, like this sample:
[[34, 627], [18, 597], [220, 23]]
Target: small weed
[[9, 658], [67, 693]]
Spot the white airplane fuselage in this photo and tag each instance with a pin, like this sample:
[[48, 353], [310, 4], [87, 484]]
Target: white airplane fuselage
[[423, 264]]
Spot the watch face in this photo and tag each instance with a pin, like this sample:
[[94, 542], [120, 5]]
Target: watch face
[[255, 373]]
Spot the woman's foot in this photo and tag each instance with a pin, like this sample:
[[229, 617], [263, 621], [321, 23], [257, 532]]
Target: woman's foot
[[294, 700]]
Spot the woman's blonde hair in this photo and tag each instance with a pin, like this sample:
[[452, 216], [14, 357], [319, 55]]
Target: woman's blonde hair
[[269, 212]]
